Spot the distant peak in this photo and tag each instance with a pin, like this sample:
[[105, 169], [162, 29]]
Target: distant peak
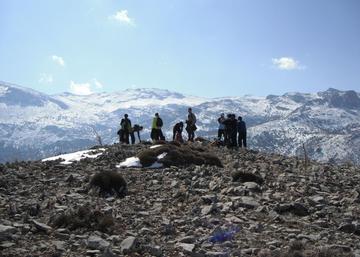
[[332, 90]]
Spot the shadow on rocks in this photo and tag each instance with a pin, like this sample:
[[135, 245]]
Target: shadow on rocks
[[247, 177], [298, 249]]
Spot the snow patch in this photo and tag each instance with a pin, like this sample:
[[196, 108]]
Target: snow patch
[[134, 162], [156, 165], [154, 146], [130, 162], [3, 90], [76, 156], [160, 156]]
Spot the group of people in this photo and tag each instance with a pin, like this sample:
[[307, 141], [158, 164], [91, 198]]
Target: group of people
[[126, 131], [232, 131], [157, 123]]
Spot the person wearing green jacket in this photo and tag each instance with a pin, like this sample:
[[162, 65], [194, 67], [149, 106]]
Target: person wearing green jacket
[[156, 132]]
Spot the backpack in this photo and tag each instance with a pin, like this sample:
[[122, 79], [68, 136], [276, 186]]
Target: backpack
[[125, 124], [159, 122]]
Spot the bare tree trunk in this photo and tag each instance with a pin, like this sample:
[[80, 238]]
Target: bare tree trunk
[[306, 159], [97, 136]]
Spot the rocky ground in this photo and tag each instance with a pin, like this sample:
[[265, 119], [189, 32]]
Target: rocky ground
[[281, 209]]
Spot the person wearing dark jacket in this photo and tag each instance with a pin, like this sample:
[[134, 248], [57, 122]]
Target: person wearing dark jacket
[[233, 130], [125, 129], [241, 129], [190, 125], [221, 130], [230, 124], [177, 132], [227, 130], [137, 128]]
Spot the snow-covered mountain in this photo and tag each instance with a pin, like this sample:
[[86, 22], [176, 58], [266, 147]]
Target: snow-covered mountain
[[34, 125]]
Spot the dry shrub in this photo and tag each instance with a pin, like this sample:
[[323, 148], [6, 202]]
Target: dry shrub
[[247, 177], [149, 156], [182, 155], [109, 182], [84, 217]]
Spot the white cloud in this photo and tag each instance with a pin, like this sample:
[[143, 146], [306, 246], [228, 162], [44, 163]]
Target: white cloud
[[80, 88], [98, 84], [287, 63], [123, 17], [46, 78], [58, 59], [85, 88]]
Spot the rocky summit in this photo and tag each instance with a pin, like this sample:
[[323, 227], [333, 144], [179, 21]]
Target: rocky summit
[[254, 204]]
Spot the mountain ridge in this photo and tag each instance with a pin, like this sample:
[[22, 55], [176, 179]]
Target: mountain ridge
[[49, 125]]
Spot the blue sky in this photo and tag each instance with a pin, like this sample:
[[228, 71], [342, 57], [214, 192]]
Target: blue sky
[[199, 47]]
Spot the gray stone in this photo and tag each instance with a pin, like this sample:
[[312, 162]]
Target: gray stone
[[92, 252], [59, 245], [356, 253], [274, 243], [154, 250], [248, 202], [297, 209], [347, 227], [128, 244], [213, 185], [308, 237], [108, 253], [209, 199], [96, 242], [6, 232], [61, 236], [187, 248], [207, 210], [343, 248], [187, 239], [317, 199], [252, 186], [216, 254], [6, 244], [42, 227]]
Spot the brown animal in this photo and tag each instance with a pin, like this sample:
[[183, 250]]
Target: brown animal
[[109, 182]]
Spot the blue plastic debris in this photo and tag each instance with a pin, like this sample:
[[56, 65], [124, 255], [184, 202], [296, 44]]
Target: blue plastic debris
[[224, 235]]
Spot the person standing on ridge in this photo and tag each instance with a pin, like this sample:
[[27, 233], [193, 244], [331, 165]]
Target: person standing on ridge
[[177, 132], [233, 131], [125, 125], [191, 127], [156, 132], [221, 130], [227, 129], [230, 130], [241, 129]]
